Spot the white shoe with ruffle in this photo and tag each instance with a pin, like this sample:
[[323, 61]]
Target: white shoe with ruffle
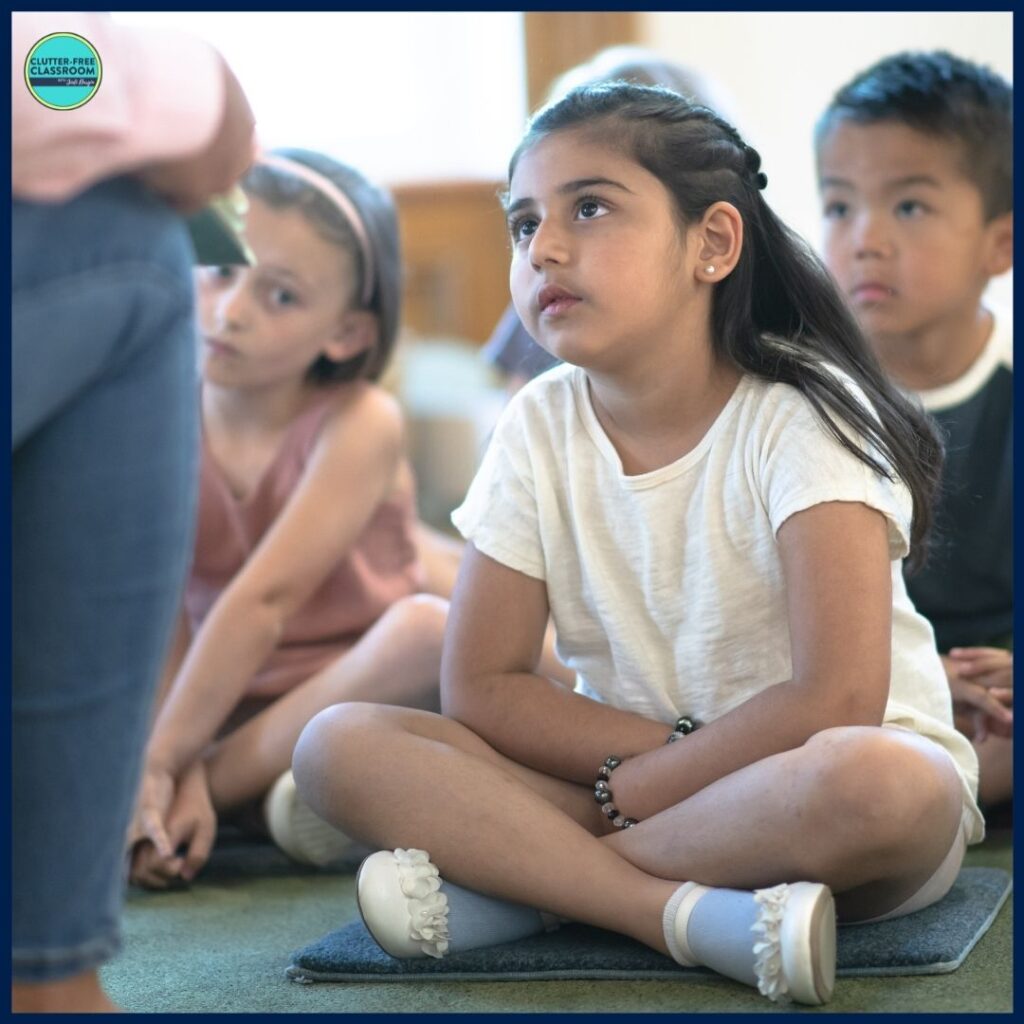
[[791, 955], [398, 895]]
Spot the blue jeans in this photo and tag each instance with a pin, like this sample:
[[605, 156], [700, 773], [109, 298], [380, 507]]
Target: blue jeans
[[104, 446]]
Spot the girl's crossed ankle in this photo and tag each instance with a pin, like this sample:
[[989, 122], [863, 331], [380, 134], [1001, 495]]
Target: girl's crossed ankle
[[411, 912], [781, 940]]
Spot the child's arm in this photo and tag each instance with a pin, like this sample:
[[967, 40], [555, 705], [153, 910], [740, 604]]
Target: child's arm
[[839, 603], [494, 637], [180, 641], [183, 804], [441, 557], [838, 572], [156, 789], [350, 472]]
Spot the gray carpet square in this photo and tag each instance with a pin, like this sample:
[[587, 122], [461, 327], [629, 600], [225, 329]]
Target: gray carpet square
[[933, 941]]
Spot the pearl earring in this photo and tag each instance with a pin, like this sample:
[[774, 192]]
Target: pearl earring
[[710, 269]]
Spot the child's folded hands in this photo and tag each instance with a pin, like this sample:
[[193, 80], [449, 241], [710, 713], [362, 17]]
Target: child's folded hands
[[191, 825], [981, 682]]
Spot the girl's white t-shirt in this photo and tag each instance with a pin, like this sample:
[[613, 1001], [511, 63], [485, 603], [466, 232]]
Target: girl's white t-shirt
[[666, 588]]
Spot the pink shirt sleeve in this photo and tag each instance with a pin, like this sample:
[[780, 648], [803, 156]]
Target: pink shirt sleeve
[[161, 97]]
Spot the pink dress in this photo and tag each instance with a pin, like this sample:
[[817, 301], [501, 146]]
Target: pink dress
[[380, 568]]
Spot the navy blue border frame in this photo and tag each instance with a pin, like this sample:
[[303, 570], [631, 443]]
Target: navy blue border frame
[[5, 497]]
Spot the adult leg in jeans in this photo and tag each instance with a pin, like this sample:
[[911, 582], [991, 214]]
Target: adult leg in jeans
[[104, 430]]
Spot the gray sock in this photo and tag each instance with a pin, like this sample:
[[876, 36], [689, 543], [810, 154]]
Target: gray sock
[[475, 920]]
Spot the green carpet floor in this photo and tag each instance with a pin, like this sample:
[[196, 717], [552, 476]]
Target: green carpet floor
[[224, 944]]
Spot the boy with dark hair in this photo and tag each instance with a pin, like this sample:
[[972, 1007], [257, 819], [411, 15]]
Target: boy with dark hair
[[915, 170]]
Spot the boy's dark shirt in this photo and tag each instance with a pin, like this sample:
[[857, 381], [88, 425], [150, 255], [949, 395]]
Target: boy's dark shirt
[[966, 588]]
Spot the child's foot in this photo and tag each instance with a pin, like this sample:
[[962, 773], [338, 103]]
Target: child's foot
[[411, 912], [781, 940], [298, 830]]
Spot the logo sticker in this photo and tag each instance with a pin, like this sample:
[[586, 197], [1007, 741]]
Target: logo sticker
[[63, 71]]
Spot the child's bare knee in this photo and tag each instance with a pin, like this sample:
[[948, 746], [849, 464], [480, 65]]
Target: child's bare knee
[[329, 750], [888, 786], [419, 620]]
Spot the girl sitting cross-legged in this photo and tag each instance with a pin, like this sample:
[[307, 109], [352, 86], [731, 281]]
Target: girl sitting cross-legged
[[307, 585], [713, 497]]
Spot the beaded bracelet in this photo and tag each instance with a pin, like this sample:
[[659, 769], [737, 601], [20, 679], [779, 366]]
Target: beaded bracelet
[[683, 727], [603, 794], [603, 790]]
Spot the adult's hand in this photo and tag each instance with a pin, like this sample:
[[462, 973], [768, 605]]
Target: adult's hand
[[188, 183]]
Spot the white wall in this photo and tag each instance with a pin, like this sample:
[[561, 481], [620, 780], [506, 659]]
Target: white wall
[[779, 71], [402, 95]]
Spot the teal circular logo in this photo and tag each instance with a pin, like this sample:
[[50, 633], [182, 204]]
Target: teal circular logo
[[63, 71]]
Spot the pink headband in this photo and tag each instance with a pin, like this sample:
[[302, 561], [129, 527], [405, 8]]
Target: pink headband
[[348, 209]]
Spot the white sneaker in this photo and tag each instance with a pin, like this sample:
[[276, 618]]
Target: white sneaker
[[298, 830]]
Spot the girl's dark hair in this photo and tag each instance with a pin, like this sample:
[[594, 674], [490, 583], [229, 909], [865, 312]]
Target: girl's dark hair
[[778, 315], [279, 189]]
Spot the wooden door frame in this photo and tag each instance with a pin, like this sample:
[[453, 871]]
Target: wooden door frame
[[558, 40]]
